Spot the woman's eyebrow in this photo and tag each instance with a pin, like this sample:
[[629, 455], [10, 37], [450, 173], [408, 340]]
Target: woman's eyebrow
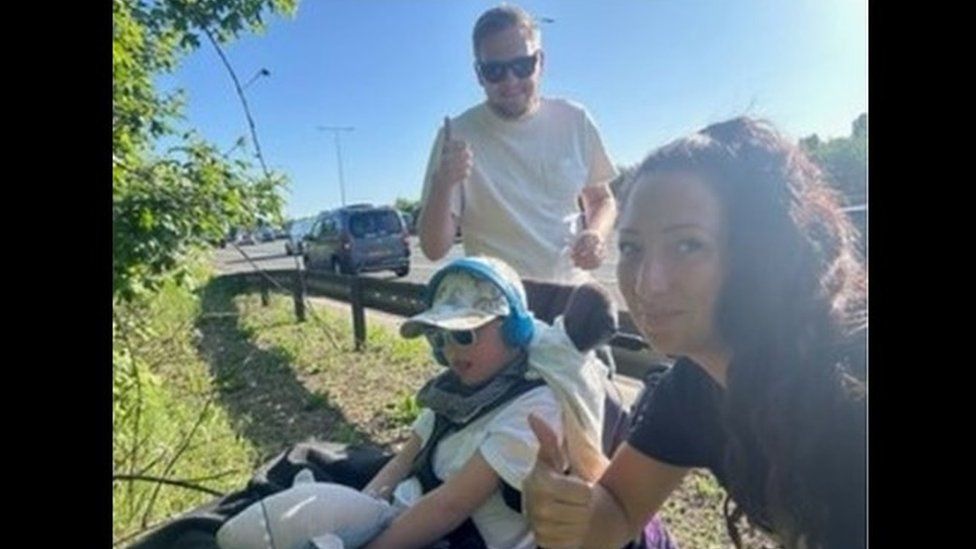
[[686, 225]]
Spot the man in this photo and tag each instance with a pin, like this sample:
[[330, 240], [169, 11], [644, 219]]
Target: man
[[510, 172]]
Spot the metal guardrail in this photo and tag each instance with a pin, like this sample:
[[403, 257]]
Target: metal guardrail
[[631, 353], [858, 214]]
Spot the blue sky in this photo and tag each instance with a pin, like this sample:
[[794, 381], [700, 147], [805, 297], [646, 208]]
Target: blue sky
[[647, 70]]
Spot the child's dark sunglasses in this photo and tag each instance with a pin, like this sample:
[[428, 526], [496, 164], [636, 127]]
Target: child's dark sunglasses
[[522, 67], [462, 338]]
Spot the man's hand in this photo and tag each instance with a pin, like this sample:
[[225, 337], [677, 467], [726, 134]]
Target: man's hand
[[589, 250], [557, 504], [456, 160]]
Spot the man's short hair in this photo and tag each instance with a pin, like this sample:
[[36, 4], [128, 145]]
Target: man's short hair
[[500, 18]]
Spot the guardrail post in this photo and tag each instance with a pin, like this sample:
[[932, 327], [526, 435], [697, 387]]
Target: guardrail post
[[265, 292], [298, 295], [358, 315]]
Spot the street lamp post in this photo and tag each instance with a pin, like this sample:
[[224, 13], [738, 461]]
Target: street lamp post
[[335, 132], [259, 74]]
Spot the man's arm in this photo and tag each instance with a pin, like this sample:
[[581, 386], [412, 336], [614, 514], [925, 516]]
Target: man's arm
[[442, 510], [437, 224], [600, 207], [600, 210]]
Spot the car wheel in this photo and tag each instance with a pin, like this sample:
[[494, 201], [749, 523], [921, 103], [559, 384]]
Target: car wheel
[[402, 271]]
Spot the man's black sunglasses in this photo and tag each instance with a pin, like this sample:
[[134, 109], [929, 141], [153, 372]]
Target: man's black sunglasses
[[522, 67]]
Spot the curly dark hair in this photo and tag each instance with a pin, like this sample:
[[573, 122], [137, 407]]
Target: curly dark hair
[[792, 309]]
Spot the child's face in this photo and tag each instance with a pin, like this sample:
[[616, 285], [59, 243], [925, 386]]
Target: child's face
[[476, 363]]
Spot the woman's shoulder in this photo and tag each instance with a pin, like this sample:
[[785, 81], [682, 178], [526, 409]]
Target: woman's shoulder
[[684, 390], [687, 377], [677, 419]]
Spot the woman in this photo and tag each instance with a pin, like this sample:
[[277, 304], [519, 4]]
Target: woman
[[736, 257]]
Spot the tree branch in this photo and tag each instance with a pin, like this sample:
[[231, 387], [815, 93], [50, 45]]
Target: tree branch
[[171, 481]]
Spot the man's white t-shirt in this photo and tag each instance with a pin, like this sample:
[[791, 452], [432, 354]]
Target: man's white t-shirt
[[507, 443], [520, 202]]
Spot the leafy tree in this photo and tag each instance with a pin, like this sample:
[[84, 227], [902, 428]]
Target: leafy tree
[[844, 160], [409, 208], [167, 202], [405, 205]]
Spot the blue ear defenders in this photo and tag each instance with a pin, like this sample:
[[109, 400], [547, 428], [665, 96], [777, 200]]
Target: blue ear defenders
[[517, 328]]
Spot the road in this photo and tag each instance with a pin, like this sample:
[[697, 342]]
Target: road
[[271, 255]]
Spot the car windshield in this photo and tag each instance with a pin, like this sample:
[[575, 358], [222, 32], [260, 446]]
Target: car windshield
[[299, 229], [374, 223]]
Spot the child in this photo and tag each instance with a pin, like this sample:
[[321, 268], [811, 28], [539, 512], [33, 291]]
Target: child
[[458, 475]]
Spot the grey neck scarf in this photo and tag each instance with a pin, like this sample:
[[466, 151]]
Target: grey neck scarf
[[447, 396]]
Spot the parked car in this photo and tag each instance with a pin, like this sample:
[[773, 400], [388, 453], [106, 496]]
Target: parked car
[[410, 222], [295, 245], [264, 234], [357, 239], [245, 238]]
